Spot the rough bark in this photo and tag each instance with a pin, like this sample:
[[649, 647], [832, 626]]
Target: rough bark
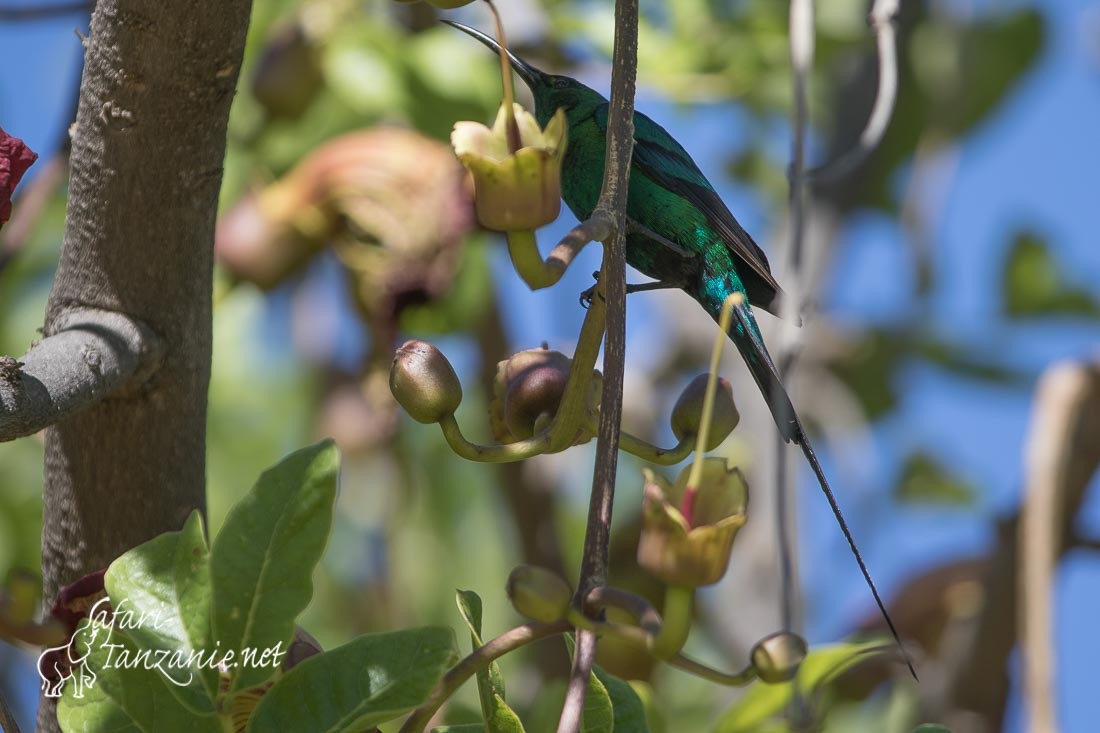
[[146, 164]]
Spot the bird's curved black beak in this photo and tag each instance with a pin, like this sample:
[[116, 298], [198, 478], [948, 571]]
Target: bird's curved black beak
[[530, 75]]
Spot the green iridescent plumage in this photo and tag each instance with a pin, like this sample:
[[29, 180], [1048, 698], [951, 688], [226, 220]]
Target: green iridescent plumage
[[681, 234]]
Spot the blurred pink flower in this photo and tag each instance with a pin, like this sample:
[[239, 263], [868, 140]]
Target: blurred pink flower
[[15, 159]]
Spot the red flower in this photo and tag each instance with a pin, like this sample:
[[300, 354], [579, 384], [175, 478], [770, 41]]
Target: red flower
[[15, 159]]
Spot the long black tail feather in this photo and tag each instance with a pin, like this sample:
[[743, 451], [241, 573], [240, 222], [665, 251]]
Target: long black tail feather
[[763, 370]]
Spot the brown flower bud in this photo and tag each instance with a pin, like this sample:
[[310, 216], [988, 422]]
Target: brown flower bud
[[538, 593], [424, 382], [528, 389], [777, 656], [288, 75], [687, 414]]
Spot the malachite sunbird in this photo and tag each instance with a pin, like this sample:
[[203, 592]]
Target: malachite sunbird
[[680, 233]]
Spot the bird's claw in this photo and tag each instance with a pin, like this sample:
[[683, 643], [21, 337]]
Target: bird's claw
[[588, 295]]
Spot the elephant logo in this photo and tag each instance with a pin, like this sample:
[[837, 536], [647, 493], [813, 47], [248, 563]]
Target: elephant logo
[[59, 664]]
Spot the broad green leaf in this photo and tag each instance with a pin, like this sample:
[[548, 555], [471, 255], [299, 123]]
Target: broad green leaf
[[925, 479], [464, 728], [121, 692], [160, 592], [931, 728], [752, 712], [629, 711], [377, 677], [499, 718], [263, 558]]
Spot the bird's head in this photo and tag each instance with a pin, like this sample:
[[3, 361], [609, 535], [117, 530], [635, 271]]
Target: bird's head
[[550, 91]]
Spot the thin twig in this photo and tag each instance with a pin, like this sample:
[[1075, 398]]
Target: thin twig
[[801, 31], [883, 19], [612, 206], [477, 660]]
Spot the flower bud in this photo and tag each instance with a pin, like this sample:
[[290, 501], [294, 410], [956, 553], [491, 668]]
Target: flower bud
[[538, 593], [528, 390], [689, 543], [424, 382], [288, 75], [687, 414], [777, 656], [514, 190]]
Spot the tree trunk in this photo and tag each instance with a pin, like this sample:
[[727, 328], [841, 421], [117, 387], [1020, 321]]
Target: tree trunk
[[148, 146]]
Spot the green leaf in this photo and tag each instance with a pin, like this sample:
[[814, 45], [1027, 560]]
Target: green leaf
[[377, 677], [925, 479], [654, 715], [124, 695], [499, 718], [160, 592], [599, 714], [752, 712], [1034, 285], [931, 728], [464, 728], [263, 558], [627, 706]]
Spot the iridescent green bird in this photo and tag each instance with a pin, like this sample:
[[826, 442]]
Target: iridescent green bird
[[679, 232]]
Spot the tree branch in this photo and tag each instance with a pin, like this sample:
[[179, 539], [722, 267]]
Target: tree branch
[[801, 39], [1063, 452], [147, 154], [611, 207], [883, 19], [92, 354]]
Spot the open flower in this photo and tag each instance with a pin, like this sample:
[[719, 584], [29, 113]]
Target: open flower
[[692, 550], [15, 159], [518, 190]]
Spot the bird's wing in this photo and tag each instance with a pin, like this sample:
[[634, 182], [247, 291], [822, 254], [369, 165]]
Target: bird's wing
[[663, 160]]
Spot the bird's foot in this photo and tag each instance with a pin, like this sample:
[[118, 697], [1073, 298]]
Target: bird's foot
[[588, 295]]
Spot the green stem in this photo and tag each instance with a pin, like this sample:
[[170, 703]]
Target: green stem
[[636, 634], [737, 679], [572, 409], [511, 129], [517, 451], [644, 449], [696, 474], [676, 626], [478, 660], [524, 250], [644, 614]]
